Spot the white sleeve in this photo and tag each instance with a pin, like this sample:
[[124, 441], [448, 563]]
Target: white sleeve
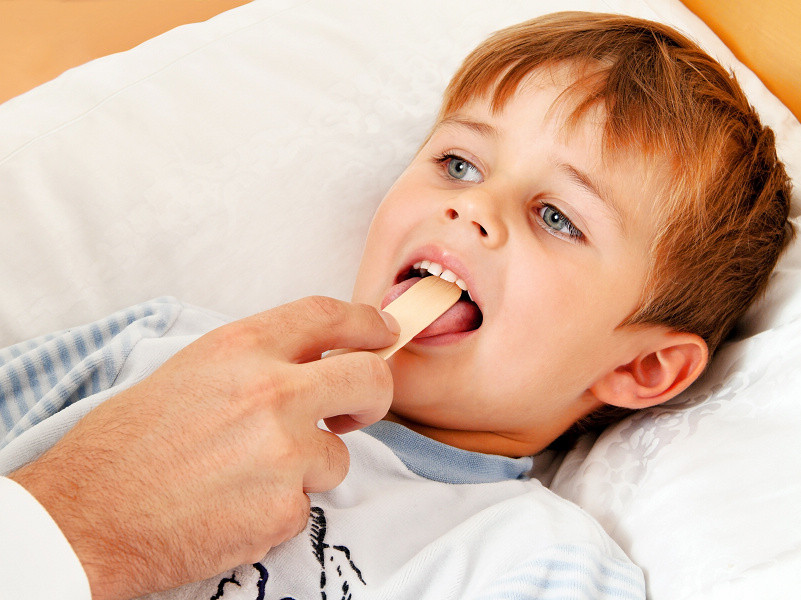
[[36, 560]]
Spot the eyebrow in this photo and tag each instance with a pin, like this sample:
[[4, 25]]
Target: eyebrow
[[585, 181], [484, 129]]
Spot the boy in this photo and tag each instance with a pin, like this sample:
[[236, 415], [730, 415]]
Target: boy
[[585, 173], [649, 177]]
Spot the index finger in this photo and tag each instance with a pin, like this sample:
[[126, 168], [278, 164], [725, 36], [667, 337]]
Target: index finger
[[302, 330]]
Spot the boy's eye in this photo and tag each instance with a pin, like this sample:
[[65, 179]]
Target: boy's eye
[[459, 168], [558, 224]]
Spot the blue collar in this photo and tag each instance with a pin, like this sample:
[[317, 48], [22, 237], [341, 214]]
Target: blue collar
[[434, 460]]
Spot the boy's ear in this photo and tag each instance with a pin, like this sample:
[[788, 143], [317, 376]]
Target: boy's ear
[[657, 374]]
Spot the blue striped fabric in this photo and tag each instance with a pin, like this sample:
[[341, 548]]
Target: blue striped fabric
[[42, 376], [570, 572]]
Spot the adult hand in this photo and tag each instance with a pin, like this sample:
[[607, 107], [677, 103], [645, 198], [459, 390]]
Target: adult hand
[[205, 465]]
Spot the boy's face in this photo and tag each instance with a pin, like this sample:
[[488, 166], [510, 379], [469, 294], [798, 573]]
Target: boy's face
[[552, 244]]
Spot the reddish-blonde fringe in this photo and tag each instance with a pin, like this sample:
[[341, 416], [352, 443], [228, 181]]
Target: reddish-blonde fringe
[[722, 213]]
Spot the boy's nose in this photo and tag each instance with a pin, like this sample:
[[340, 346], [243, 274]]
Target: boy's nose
[[479, 214]]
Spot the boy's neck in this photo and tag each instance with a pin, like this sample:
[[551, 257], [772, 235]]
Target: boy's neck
[[486, 442]]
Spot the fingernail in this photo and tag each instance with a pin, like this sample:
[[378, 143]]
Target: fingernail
[[392, 322]]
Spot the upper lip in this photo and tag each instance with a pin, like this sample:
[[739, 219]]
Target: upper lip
[[449, 260]]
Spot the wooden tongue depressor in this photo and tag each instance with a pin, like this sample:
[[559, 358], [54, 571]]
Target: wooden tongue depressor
[[418, 307]]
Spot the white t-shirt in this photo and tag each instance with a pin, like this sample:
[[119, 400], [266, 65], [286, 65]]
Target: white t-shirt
[[413, 519]]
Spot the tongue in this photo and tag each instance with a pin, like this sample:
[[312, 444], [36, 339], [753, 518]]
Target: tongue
[[462, 316]]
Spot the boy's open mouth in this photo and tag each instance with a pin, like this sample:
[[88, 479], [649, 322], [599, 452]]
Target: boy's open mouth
[[462, 317]]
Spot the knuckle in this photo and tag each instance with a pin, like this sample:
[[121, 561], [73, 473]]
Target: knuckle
[[253, 553], [267, 393], [297, 519], [263, 401], [286, 449], [278, 447], [328, 310], [292, 516], [377, 371], [286, 517], [284, 391], [238, 336]]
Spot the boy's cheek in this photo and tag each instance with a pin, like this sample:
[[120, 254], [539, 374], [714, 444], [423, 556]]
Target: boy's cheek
[[371, 279], [379, 261], [360, 290], [374, 266]]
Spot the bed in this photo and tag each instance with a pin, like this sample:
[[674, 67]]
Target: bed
[[235, 163]]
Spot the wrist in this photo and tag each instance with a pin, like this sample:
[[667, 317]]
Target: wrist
[[60, 496]]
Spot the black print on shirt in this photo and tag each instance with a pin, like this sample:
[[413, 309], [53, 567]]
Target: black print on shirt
[[336, 566], [222, 584], [339, 575]]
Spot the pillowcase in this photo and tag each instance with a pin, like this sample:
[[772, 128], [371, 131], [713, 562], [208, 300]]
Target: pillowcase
[[236, 164], [703, 492]]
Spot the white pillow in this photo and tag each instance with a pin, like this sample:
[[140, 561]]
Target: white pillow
[[236, 163]]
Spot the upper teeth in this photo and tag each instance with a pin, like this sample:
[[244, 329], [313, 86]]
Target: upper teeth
[[441, 272]]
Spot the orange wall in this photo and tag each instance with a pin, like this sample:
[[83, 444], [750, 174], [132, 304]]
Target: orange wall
[[765, 35], [39, 39]]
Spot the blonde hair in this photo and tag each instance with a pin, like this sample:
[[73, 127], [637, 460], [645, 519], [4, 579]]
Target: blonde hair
[[722, 216]]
